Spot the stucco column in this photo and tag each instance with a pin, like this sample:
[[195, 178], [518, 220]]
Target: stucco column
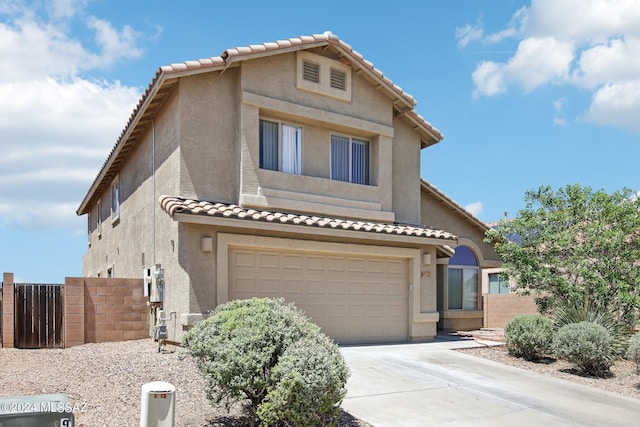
[[8, 310]]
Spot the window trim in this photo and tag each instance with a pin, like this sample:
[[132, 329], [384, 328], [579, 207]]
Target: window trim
[[280, 154], [366, 167]]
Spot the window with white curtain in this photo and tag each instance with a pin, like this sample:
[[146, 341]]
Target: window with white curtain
[[463, 280], [280, 147], [349, 159]]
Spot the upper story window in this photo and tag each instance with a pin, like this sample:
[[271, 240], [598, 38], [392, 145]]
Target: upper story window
[[349, 159], [99, 218], [280, 147], [115, 199], [323, 76]]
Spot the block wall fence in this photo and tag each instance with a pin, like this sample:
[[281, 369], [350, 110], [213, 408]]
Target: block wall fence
[[500, 308], [95, 310]]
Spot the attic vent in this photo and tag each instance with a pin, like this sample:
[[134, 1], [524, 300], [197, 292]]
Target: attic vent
[[338, 79], [311, 72]]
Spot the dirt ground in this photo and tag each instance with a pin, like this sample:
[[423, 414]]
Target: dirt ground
[[624, 379], [103, 382]]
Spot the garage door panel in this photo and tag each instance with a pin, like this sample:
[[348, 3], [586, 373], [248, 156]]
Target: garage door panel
[[292, 287], [336, 264], [335, 287], [269, 261], [353, 299], [244, 284], [270, 285], [293, 262], [315, 287]]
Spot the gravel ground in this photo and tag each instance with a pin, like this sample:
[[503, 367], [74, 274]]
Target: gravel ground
[[624, 380], [104, 382]]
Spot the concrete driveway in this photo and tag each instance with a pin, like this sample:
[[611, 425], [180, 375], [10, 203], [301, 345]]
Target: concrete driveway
[[430, 384]]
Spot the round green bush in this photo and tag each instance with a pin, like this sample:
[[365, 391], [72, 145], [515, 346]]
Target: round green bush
[[309, 383], [586, 344], [633, 352], [249, 349], [529, 336]]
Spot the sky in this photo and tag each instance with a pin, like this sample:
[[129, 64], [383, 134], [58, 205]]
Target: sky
[[526, 93]]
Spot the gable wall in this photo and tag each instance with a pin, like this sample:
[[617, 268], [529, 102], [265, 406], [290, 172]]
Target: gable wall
[[436, 214], [127, 243]]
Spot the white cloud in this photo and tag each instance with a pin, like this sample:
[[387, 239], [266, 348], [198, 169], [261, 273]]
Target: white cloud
[[617, 105], [474, 208], [552, 59], [593, 44], [560, 122], [558, 106], [468, 33], [489, 79], [57, 125]]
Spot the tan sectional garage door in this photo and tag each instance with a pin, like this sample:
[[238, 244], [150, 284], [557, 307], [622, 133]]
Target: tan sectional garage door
[[353, 299]]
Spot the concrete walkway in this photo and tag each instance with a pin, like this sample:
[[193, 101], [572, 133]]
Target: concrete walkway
[[430, 384]]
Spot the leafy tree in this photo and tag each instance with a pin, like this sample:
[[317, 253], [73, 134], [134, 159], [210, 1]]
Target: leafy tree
[[575, 246]]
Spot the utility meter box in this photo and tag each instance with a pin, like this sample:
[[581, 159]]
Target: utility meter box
[[154, 283], [158, 405], [45, 410]]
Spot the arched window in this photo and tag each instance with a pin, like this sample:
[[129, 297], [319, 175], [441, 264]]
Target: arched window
[[463, 280]]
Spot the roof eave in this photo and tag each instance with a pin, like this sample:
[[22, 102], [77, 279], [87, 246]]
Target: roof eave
[[160, 81], [316, 231]]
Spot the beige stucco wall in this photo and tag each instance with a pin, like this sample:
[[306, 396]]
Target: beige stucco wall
[[406, 174], [209, 114], [206, 143], [438, 215]]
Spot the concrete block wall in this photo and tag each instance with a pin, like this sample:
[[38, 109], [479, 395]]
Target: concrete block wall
[[499, 309], [101, 310], [95, 310]]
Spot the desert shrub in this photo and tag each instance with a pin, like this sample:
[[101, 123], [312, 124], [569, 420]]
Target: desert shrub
[[239, 347], [586, 344], [308, 386], [529, 336], [633, 352], [568, 312]]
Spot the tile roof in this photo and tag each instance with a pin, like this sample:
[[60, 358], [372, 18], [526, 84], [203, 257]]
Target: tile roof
[[166, 79], [176, 205]]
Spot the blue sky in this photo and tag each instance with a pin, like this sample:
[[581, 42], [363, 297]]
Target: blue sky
[[526, 93]]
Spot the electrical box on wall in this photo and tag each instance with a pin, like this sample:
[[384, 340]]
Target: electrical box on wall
[[154, 283]]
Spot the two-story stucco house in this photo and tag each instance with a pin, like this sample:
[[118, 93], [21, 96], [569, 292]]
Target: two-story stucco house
[[286, 169]]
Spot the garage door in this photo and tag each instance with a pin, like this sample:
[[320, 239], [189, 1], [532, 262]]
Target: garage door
[[353, 299]]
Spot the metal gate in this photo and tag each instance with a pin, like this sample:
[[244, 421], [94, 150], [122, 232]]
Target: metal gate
[[38, 316]]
